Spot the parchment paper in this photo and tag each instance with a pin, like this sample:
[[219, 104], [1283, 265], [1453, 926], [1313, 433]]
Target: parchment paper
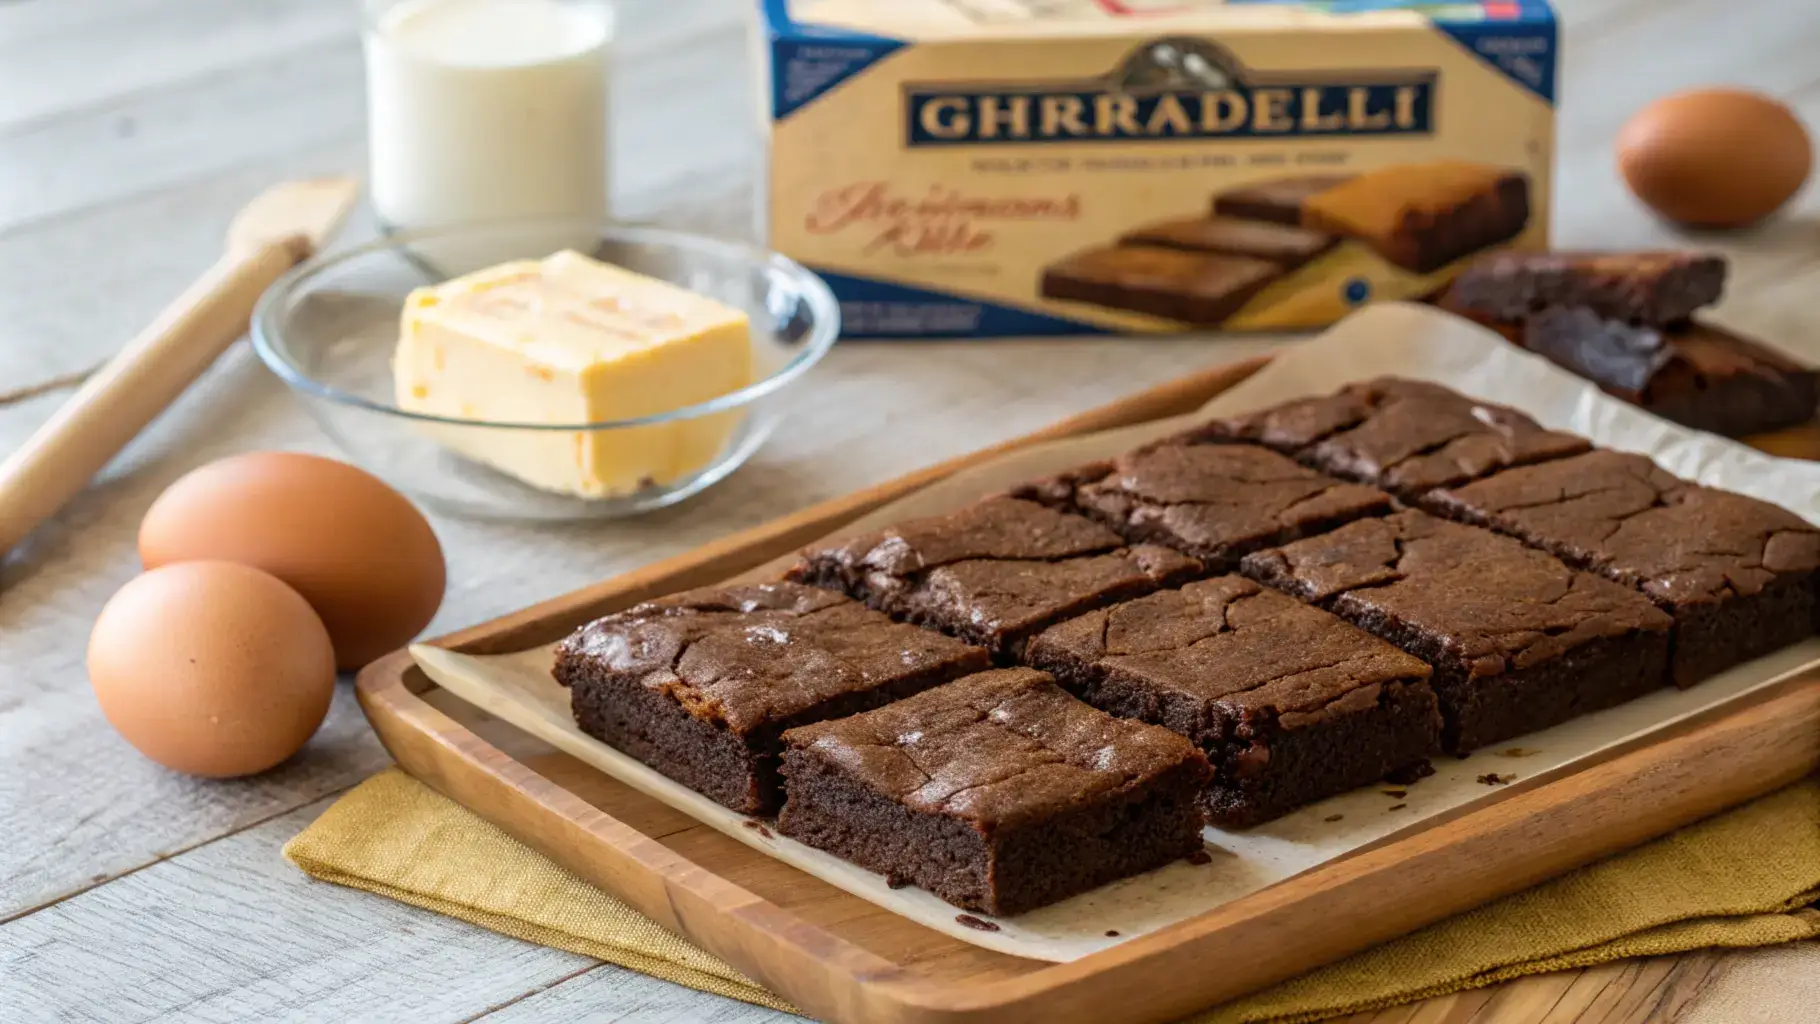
[[1408, 340]]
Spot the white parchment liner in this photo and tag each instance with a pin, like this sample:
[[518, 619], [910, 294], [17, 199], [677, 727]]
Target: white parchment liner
[[1408, 340]]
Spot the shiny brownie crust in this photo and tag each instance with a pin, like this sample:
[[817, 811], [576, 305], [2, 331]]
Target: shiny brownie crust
[[999, 793]]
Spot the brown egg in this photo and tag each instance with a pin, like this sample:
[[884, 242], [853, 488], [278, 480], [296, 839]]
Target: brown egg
[[356, 550], [212, 668], [1718, 158]]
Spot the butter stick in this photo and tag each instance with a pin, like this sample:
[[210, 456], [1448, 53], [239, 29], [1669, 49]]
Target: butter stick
[[570, 340]]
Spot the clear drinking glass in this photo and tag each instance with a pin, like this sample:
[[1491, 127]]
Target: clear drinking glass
[[483, 110]]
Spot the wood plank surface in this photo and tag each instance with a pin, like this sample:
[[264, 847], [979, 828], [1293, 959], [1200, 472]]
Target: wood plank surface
[[130, 130]]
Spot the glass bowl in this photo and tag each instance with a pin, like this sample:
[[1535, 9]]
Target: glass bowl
[[329, 327]]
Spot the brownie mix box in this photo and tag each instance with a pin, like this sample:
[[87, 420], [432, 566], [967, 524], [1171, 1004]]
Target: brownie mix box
[[980, 168]]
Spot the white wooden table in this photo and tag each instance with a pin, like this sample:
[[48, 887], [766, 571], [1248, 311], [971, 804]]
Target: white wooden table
[[130, 130]]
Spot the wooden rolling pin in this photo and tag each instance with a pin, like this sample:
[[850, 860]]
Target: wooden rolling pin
[[274, 232]]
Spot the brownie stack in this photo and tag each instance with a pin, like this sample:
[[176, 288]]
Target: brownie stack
[[1625, 321], [1224, 625]]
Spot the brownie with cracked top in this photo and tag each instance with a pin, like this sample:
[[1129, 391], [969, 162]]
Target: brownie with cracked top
[[1290, 704], [1217, 501], [1518, 639], [994, 573], [1655, 288], [999, 792], [701, 685], [1406, 436], [1737, 574], [1696, 375]]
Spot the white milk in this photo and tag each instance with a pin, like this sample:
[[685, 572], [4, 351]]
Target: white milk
[[487, 109]]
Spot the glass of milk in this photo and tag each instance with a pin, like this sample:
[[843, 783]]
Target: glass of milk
[[487, 109]]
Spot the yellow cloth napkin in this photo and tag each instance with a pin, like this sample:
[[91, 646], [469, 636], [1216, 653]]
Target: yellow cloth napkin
[[1744, 878]]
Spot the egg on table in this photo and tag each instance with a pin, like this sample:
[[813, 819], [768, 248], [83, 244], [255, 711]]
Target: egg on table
[[212, 668], [1715, 158], [363, 557]]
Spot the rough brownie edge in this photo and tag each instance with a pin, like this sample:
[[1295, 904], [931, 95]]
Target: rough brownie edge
[[1477, 712], [740, 772], [1742, 405], [1265, 776], [1710, 638], [1001, 872], [1671, 372]]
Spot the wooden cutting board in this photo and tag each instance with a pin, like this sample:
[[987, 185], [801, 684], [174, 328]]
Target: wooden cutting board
[[844, 959]]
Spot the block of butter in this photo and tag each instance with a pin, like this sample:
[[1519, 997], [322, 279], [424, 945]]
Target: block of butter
[[570, 340]]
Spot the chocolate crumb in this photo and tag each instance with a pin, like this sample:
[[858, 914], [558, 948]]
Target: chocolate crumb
[[1519, 752], [1494, 779], [1199, 857], [759, 827], [975, 923], [1333, 817], [1397, 794], [1463, 755], [893, 882], [1111, 933], [1410, 774], [1398, 807]]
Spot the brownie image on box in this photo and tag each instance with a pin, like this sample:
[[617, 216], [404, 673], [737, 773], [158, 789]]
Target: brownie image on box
[[1696, 375], [1519, 640], [1422, 217], [1214, 500], [1278, 202], [999, 792], [1736, 573], [1290, 704], [701, 685], [1192, 287], [1654, 288], [1405, 436], [1288, 247], [994, 573]]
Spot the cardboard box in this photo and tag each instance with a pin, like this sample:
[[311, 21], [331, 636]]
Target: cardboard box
[[982, 168]]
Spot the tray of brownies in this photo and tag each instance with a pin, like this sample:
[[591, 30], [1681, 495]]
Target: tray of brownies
[[1406, 594]]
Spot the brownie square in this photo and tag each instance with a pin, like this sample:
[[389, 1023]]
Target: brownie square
[[701, 685], [1288, 247], [1695, 375], [1192, 287], [1519, 640], [994, 573], [999, 792], [1737, 574], [1216, 501], [1290, 704], [1405, 436], [1422, 217], [1276, 202], [1654, 288]]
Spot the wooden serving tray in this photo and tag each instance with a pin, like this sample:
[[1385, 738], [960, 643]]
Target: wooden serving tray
[[844, 959]]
